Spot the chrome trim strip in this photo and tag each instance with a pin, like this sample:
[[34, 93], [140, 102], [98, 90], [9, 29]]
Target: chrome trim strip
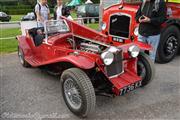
[[116, 75], [122, 68]]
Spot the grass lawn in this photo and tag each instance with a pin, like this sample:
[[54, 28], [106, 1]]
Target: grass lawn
[[8, 45], [16, 17], [73, 14], [94, 26]]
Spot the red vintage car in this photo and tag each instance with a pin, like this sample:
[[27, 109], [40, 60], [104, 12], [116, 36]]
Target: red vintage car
[[88, 63], [122, 13]]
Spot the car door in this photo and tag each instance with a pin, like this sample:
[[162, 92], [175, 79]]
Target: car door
[[35, 52]]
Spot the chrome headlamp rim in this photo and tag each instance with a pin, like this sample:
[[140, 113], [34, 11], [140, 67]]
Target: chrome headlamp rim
[[134, 51], [103, 26], [107, 57]]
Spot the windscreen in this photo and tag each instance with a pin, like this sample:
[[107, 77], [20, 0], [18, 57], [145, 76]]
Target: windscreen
[[56, 26], [81, 9]]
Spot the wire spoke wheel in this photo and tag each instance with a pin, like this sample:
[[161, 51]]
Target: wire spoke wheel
[[78, 92], [72, 93]]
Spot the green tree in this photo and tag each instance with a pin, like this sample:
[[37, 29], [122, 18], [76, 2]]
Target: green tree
[[32, 2]]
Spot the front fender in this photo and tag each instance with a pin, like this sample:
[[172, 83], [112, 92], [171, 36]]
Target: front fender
[[79, 61], [143, 46]]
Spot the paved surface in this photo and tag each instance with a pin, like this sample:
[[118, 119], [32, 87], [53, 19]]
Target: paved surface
[[31, 93], [9, 25]]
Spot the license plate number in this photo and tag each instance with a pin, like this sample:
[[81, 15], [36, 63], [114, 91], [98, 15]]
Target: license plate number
[[130, 87]]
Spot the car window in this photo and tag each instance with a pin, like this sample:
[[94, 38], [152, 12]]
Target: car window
[[3, 14], [97, 8], [91, 9], [81, 9]]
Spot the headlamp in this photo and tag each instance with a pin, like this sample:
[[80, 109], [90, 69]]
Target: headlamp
[[108, 56], [103, 26], [134, 51]]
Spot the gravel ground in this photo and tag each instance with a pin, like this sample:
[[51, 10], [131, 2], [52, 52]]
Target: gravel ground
[[30, 94]]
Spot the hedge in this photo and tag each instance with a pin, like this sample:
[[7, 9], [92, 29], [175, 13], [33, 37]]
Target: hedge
[[17, 11], [17, 7]]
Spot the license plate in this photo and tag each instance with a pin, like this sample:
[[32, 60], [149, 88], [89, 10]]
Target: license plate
[[130, 88], [118, 39]]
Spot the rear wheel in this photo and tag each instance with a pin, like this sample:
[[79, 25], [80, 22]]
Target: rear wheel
[[145, 68], [78, 92], [169, 44], [21, 58]]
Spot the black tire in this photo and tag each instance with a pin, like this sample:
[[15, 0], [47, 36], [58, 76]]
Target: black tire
[[169, 45], [21, 58], [85, 90], [145, 68], [85, 21]]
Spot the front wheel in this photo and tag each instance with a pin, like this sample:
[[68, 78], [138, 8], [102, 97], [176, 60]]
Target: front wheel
[[78, 92], [145, 68]]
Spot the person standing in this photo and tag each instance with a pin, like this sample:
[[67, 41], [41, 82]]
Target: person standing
[[150, 15], [61, 10], [42, 12]]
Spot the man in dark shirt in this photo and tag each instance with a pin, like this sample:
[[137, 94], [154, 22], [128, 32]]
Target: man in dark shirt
[[151, 14]]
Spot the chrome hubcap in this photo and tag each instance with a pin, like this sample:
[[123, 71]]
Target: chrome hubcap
[[72, 93], [171, 45]]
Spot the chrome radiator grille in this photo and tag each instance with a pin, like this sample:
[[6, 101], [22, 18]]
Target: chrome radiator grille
[[116, 67]]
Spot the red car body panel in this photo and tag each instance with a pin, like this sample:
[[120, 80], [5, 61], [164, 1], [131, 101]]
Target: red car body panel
[[51, 53], [175, 10], [126, 79], [85, 32]]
